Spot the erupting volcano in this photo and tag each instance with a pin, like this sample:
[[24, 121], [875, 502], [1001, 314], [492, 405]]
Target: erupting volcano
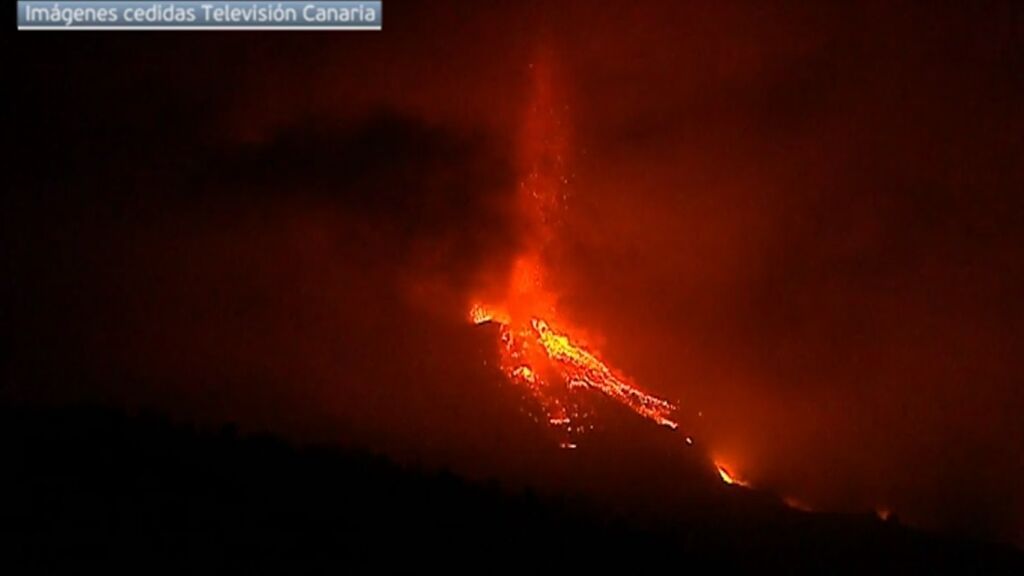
[[539, 350]]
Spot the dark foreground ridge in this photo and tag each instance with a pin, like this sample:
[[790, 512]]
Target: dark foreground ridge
[[99, 486]]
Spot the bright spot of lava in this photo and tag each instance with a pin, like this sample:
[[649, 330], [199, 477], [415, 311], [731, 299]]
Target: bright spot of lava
[[729, 477]]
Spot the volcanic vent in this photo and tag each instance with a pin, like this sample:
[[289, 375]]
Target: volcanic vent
[[540, 350]]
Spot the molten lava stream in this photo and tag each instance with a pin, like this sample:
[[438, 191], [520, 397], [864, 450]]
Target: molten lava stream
[[574, 369]]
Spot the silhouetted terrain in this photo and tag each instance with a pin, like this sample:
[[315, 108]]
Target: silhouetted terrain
[[96, 485]]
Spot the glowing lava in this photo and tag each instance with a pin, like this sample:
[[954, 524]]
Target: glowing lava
[[727, 476], [573, 367], [537, 350]]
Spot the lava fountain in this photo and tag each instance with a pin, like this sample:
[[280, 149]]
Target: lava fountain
[[540, 351]]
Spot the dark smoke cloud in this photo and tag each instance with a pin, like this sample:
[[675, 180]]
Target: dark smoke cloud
[[314, 280], [444, 199]]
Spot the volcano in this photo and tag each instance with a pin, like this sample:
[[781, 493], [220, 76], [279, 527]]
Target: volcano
[[540, 349], [615, 452]]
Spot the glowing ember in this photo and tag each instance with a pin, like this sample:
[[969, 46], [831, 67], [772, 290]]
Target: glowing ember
[[537, 351]]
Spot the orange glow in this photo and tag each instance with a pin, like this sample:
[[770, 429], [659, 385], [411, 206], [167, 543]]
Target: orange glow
[[729, 477], [537, 351], [797, 504]]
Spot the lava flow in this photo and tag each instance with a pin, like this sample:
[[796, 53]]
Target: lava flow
[[537, 350], [729, 477], [573, 367]]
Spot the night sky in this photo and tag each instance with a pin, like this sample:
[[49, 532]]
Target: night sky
[[804, 222]]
